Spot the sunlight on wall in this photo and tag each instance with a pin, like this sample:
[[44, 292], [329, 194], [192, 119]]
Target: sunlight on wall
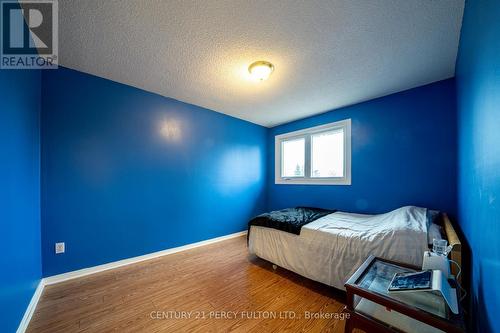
[[171, 129]]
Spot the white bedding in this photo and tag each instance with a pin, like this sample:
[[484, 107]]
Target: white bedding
[[331, 248]]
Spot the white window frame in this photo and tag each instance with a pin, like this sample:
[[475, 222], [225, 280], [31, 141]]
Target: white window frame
[[306, 134]]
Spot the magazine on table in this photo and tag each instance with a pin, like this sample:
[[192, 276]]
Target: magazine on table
[[411, 281]]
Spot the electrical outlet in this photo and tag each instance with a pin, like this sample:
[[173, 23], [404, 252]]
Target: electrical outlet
[[60, 248]]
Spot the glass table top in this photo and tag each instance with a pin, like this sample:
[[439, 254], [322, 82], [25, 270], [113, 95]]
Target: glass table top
[[378, 276]]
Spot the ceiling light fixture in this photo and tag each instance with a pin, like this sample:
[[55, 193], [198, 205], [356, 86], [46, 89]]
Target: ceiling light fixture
[[261, 70]]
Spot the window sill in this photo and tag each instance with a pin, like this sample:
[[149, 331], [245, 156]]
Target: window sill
[[341, 181]]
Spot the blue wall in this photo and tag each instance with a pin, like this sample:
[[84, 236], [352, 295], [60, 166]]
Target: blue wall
[[20, 258], [403, 153], [478, 91], [126, 172]]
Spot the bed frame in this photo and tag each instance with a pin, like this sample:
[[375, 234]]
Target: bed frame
[[454, 241]]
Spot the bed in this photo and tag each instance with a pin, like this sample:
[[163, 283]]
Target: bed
[[331, 248]]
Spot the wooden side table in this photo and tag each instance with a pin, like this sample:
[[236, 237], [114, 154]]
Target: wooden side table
[[373, 309]]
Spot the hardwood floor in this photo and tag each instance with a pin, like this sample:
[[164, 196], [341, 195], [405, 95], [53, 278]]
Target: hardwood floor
[[191, 291]]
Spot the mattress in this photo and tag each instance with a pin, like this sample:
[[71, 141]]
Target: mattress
[[330, 249]]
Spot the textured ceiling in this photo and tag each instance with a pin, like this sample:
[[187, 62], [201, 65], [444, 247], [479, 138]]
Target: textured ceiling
[[327, 54]]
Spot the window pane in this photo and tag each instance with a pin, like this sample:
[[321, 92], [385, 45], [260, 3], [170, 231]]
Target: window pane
[[327, 151], [293, 154]]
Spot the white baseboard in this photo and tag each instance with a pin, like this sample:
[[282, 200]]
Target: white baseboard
[[96, 269], [115, 264], [31, 308]]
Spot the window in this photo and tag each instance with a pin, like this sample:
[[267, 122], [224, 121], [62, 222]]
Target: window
[[293, 157], [319, 155]]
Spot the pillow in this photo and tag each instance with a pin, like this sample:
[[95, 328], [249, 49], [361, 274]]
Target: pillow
[[432, 216], [434, 232]]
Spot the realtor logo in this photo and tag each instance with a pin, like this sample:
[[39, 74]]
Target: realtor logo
[[29, 34]]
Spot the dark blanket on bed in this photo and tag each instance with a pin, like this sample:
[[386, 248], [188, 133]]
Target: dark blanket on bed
[[289, 219]]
